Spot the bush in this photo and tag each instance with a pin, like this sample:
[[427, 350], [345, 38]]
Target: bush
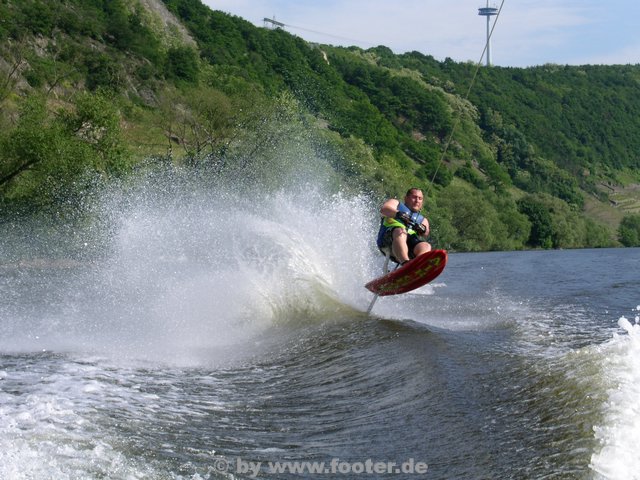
[[474, 219], [540, 218], [103, 72], [182, 64], [629, 231], [48, 160]]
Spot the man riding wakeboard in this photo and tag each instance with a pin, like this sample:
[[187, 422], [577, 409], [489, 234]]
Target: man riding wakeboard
[[403, 228]]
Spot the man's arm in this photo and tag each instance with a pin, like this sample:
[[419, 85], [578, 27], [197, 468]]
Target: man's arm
[[425, 224], [389, 208]]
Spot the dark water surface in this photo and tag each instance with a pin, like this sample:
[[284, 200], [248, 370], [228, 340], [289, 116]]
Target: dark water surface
[[511, 365]]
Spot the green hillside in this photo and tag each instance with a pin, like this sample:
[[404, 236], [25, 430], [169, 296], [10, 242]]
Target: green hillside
[[96, 91]]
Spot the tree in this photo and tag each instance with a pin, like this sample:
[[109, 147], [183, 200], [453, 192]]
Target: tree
[[475, 220], [497, 177], [201, 120], [49, 159], [182, 64], [103, 72], [40, 161], [95, 120], [629, 230], [28, 143], [540, 218]]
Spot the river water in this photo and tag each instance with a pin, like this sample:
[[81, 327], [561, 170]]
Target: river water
[[193, 348]]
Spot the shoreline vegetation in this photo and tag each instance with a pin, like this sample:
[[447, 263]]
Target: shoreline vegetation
[[95, 93]]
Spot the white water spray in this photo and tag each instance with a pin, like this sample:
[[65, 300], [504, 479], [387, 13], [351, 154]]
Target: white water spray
[[619, 433], [204, 273]]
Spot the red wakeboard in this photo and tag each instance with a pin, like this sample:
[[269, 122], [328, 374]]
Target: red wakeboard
[[413, 274]]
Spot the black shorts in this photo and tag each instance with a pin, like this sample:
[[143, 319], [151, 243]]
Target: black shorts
[[412, 241]]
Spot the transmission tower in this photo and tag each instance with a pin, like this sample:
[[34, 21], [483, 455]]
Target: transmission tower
[[488, 12]]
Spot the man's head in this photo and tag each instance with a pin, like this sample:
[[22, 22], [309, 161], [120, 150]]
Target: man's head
[[414, 199]]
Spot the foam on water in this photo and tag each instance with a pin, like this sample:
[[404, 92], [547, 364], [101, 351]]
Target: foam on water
[[618, 435], [45, 431]]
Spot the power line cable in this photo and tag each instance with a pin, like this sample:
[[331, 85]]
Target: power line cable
[[466, 97], [328, 34]]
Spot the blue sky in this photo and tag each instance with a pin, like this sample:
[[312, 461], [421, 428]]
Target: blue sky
[[527, 33]]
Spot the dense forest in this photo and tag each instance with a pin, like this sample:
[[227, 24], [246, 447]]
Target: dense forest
[[95, 91]]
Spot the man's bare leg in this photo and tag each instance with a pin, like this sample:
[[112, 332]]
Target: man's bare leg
[[399, 246], [422, 248]]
